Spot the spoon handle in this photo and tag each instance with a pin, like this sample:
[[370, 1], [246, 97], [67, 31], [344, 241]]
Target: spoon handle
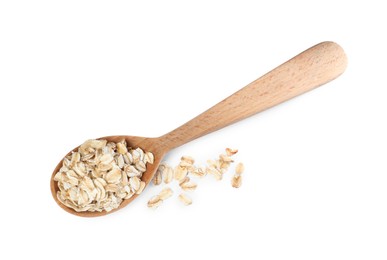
[[306, 71]]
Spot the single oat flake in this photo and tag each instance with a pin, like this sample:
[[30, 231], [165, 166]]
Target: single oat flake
[[167, 174], [236, 180], [165, 193], [155, 201], [188, 186], [185, 199]]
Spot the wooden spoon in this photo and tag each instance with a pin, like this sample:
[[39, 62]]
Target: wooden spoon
[[308, 70]]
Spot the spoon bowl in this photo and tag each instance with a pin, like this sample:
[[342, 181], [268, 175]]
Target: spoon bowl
[[306, 71], [147, 144]]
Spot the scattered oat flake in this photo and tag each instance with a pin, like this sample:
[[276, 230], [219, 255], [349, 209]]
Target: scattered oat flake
[[166, 193], [154, 202], [180, 173], [187, 159], [198, 172], [186, 179], [185, 199], [167, 174], [236, 181], [157, 178], [231, 152], [188, 186]]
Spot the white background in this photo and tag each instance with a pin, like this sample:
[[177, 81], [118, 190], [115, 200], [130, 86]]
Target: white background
[[315, 185]]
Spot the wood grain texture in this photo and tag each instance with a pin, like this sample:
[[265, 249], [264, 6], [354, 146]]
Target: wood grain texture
[[306, 71]]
